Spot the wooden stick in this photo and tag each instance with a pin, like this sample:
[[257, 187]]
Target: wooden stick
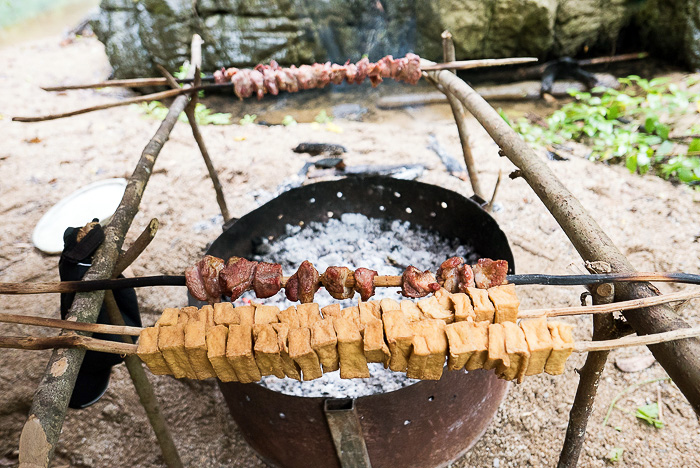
[[644, 340], [109, 105], [51, 398], [482, 63], [70, 325], [681, 359], [129, 83], [192, 119], [66, 341], [137, 247]]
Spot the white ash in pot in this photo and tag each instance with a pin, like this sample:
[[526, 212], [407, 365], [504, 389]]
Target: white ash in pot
[[355, 241]]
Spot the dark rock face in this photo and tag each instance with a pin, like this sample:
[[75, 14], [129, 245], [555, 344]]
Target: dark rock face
[[139, 33]]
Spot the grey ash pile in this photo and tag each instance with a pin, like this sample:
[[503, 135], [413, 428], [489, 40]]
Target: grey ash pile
[[355, 241]]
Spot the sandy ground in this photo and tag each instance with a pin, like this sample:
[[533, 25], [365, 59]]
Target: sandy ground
[[653, 222]]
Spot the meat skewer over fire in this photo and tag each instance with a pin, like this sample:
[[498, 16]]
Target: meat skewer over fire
[[209, 279]]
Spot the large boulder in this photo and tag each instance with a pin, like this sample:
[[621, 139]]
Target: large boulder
[[140, 33]]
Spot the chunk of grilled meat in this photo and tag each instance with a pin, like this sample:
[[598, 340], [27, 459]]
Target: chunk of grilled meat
[[237, 276], [303, 284], [417, 284], [334, 281], [489, 273], [203, 279], [448, 274], [364, 282], [267, 280]]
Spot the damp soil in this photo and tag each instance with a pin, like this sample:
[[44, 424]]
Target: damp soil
[[653, 222]]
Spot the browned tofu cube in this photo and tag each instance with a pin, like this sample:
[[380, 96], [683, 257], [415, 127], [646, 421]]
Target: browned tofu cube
[[332, 310], [483, 308], [468, 344], [290, 317], [539, 343], [562, 347], [266, 314], [463, 308], [432, 310], [498, 356], [369, 311], [506, 303], [411, 310], [376, 349], [216, 352], [188, 314], [352, 314], [246, 315], [171, 343], [324, 342], [419, 358], [300, 350], [148, 351], [518, 352], [267, 351], [225, 314], [207, 314], [239, 352], [353, 363], [308, 314], [444, 298], [399, 336], [196, 348], [291, 368], [433, 332], [168, 318], [387, 304]]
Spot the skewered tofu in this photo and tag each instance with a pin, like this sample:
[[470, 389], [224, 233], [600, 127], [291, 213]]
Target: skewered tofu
[[498, 356], [266, 314], [468, 344], [216, 352], [290, 317], [539, 343], [267, 351], [196, 348], [188, 314], [432, 309], [353, 363], [464, 311], [207, 315], [148, 351], [246, 315], [444, 298], [518, 353], [332, 310], [225, 314], [291, 368], [387, 304], [239, 352], [483, 308], [376, 349], [562, 347], [432, 333], [324, 342], [411, 310], [352, 314], [171, 342], [399, 337], [369, 312], [300, 350], [506, 303], [309, 314], [168, 317]]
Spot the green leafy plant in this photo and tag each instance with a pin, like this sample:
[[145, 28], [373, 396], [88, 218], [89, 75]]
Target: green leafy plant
[[628, 126], [248, 119], [323, 117], [614, 454], [289, 121], [202, 114], [650, 415]]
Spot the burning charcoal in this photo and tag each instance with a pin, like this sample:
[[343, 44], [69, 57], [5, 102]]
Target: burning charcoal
[[489, 273], [267, 280], [308, 282], [334, 281], [417, 284], [448, 274], [237, 276], [364, 282], [203, 279]]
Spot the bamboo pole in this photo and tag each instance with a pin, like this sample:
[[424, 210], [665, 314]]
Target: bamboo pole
[[680, 359], [43, 427]]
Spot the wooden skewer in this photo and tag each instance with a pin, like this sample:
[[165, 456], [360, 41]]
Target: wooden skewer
[[115, 347], [523, 314], [468, 64], [379, 281]]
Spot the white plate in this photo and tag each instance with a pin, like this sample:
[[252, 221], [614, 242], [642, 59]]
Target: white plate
[[97, 200]]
